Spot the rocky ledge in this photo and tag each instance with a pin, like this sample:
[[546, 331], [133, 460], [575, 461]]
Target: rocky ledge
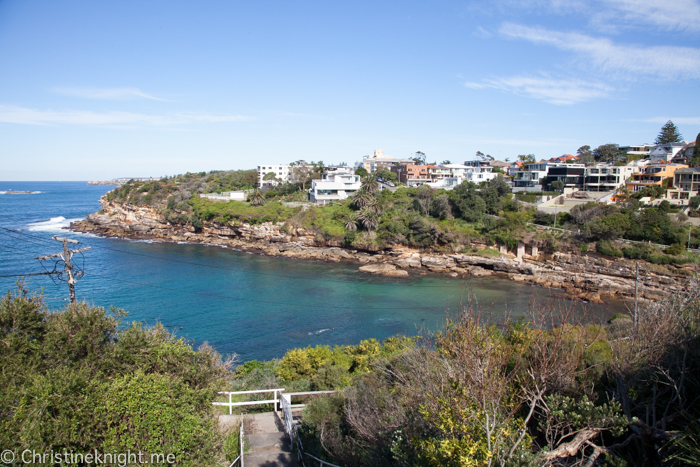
[[582, 277]]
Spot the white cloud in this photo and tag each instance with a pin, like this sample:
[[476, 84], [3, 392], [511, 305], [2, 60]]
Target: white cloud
[[678, 15], [629, 61], [26, 116], [117, 94], [611, 15], [554, 91]]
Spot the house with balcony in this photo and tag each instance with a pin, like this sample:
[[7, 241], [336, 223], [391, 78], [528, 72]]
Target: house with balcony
[[652, 175], [639, 151], [606, 177], [479, 171], [334, 185], [529, 177], [571, 175], [686, 184], [661, 153], [685, 154]]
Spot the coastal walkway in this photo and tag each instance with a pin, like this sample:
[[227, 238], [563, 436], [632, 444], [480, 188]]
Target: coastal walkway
[[270, 439]]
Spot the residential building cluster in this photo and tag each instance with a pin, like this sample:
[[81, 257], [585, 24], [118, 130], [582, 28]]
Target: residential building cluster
[[653, 165]]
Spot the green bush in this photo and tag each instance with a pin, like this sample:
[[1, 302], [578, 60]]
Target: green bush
[[609, 249]]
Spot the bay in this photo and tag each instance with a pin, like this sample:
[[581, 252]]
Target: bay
[[253, 306]]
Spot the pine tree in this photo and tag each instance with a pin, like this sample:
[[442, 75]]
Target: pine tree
[[669, 134]]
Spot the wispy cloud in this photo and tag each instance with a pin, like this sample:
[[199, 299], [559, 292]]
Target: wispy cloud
[[116, 94], [628, 60], [679, 15], [27, 116], [554, 91], [678, 120]]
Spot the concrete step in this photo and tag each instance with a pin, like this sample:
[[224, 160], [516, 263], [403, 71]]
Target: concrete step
[[271, 459]]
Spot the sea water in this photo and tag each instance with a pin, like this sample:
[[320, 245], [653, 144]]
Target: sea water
[[254, 306]]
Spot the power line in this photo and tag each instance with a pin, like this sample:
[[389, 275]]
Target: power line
[[213, 295], [211, 266], [26, 275]]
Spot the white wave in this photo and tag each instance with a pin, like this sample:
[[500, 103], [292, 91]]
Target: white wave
[[320, 331], [55, 224]]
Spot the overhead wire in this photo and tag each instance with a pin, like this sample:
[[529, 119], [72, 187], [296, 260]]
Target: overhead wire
[[212, 266], [220, 296]]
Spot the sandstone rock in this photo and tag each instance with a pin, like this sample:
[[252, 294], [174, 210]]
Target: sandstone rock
[[383, 269]]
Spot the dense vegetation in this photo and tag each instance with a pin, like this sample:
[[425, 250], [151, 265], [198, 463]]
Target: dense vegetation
[[76, 381], [523, 394]]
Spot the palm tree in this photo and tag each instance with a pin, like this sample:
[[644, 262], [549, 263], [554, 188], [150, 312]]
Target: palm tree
[[257, 198], [362, 198], [369, 218], [351, 222], [370, 184]]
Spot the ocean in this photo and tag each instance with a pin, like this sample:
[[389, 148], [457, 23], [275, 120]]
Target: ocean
[[253, 306]]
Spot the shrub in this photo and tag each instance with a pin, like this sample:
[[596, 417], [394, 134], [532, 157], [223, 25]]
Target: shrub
[[609, 249]]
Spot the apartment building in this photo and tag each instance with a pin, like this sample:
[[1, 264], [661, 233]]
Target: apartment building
[[604, 177], [411, 173], [652, 175], [686, 184], [281, 174]]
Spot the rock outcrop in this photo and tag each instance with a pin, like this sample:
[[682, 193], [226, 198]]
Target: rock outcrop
[[581, 277]]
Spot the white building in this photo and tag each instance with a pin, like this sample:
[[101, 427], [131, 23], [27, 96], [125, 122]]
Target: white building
[[605, 177], [281, 174], [378, 160], [335, 185], [480, 171], [665, 152], [529, 177], [637, 150]]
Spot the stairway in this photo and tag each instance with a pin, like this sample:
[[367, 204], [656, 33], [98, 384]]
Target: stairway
[[268, 445]]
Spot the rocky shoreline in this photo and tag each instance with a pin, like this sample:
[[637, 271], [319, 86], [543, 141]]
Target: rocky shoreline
[[583, 277]]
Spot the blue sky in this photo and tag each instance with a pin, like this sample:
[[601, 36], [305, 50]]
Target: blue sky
[[96, 90]]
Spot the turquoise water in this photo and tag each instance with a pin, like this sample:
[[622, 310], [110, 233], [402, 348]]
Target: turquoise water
[[254, 306]]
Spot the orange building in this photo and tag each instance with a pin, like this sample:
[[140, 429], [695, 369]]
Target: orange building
[[652, 175], [406, 172]]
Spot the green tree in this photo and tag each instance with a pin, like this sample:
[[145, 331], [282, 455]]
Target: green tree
[[669, 134], [607, 153], [270, 176], [694, 203], [419, 158], [361, 171], [527, 159], [585, 155], [558, 185]]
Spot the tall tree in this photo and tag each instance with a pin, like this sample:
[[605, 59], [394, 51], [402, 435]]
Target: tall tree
[[669, 134], [419, 158], [585, 155], [608, 153], [300, 172]]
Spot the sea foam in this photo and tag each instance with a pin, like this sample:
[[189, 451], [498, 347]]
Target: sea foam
[[55, 224]]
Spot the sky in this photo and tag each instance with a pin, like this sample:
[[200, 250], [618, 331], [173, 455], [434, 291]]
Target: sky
[[98, 90]]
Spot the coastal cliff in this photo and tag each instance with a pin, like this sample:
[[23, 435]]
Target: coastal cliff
[[585, 277]]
